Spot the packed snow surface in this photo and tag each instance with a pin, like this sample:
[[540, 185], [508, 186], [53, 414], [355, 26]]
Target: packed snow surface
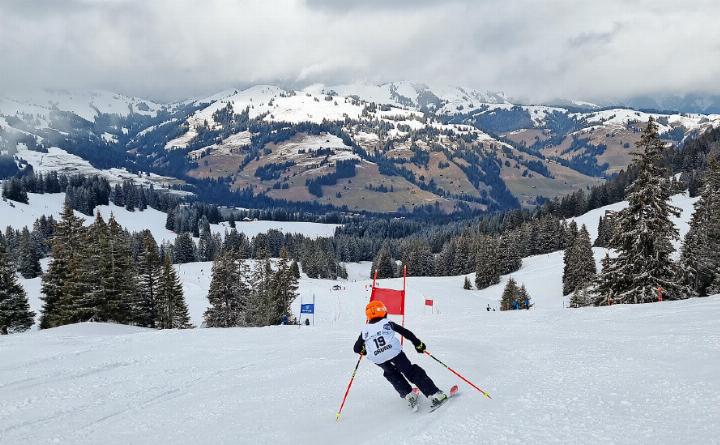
[[624, 374], [621, 374]]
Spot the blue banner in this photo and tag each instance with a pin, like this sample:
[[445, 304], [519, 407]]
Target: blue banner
[[307, 308]]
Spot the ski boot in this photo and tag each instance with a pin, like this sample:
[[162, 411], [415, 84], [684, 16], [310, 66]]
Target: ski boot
[[437, 399], [412, 400]]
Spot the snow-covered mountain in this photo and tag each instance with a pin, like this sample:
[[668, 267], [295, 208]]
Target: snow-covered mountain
[[85, 104], [421, 145]]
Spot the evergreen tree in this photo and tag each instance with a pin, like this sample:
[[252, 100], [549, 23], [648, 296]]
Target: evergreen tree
[[15, 313], [602, 289], [487, 270], [14, 190], [524, 300], [579, 263], [700, 258], [605, 230], [260, 307], [172, 310], [295, 270], [645, 232], [149, 272], [508, 254], [184, 249], [284, 290], [466, 284], [29, 261], [582, 296], [510, 296], [61, 285], [383, 264], [229, 293], [120, 278]]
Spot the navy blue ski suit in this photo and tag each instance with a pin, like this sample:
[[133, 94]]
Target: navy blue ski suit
[[398, 370]]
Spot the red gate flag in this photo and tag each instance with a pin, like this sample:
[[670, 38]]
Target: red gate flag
[[428, 302], [394, 299]]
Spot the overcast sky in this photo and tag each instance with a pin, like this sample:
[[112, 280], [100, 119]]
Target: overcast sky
[[530, 49]]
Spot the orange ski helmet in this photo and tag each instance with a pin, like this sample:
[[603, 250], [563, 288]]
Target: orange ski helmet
[[375, 309]]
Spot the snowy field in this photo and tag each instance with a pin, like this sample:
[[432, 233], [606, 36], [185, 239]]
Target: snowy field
[[625, 374], [621, 374], [18, 215]]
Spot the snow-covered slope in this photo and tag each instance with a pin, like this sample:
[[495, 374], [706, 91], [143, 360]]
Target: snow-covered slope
[[552, 375], [86, 104], [18, 215], [620, 374]]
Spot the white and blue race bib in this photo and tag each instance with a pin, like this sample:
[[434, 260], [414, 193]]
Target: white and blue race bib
[[381, 342]]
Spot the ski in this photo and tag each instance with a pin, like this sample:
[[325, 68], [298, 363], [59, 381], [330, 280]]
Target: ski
[[450, 394]]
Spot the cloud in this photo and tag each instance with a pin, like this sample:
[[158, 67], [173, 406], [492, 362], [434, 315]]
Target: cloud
[[169, 49]]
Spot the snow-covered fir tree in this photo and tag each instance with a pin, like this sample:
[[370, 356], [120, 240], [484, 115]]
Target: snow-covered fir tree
[[510, 295], [120, 284], [644, 233], [61, 285], [261, 307], [580, 266], [29, 253], [173, 312], [700, 258], [509, 256], [149, 269], [524, 300], [487, 270], [383, 264], [15, 313], [582, 296], [184, 250], [229, 293], [284, 290]]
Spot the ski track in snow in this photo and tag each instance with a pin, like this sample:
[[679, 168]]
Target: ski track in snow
[[623, 374]]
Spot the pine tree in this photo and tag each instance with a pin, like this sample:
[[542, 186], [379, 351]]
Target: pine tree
[[284, 290], [601, 292], [29, 264], [383, 263], [581, 297], [466, 284], [295, 270], [149, 271], [645, 232], [510, 295], [184, 249], [605, 230], [172, 310], [260, 307], [60, 285], [509, 257], [579, 263], [15, 313], [700, 260], [120, 279], [524, 300], [229, 293], [487, 271]]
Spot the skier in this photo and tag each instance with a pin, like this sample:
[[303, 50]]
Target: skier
[[379, 342]]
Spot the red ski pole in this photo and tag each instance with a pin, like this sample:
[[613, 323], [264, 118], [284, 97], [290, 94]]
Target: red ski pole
[[458, 374], [352, 378]]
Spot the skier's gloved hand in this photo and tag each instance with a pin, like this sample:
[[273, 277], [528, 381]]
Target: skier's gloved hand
[[420, 348], [363, 351]]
